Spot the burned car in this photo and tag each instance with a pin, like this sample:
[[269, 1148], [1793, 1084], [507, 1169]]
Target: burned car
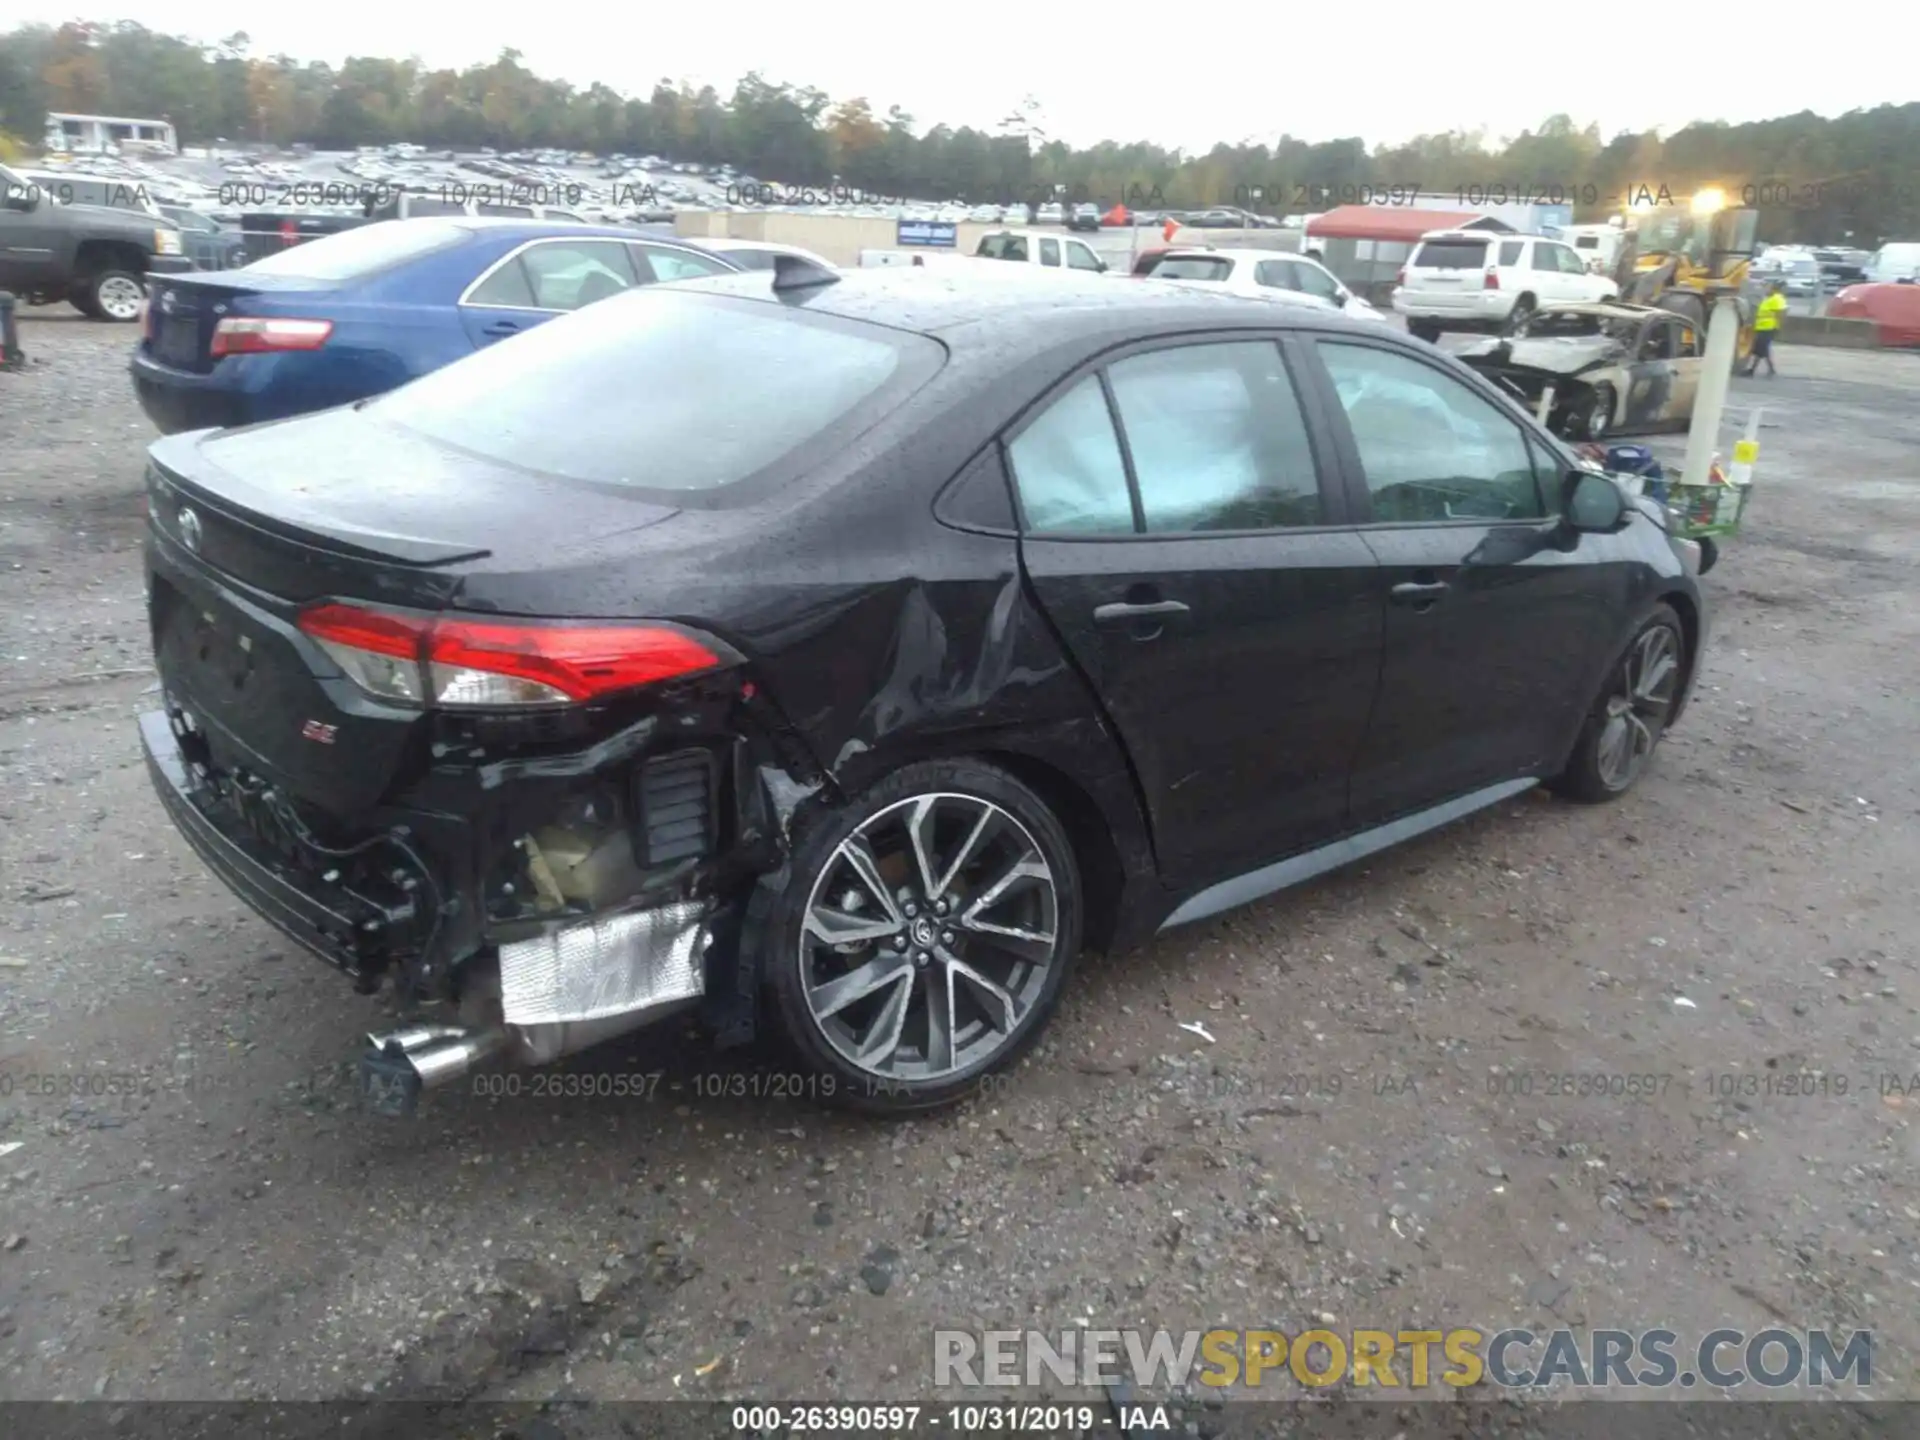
[[837, 656], [1603, 369]]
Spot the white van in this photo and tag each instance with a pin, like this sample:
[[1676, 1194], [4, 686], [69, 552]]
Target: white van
[[1598, 245], [1895, 262]]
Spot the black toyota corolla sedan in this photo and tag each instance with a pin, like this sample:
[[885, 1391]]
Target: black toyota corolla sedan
[[842, 655]]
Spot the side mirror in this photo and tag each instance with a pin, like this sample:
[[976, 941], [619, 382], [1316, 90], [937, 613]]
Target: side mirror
[[1593, 504], [1340, 298], [25, 201]]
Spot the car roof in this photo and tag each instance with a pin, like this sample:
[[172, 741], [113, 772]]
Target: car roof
[[942, 300], [1475, 235], [514, 227], [1033, 234], [1251, 252]]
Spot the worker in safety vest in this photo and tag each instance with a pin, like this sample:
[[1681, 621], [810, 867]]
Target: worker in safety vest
[[1766, 324]]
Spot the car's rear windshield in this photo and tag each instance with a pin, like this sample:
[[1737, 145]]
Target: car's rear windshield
[[1450, 255], [1191, 267], [663, 389], [364, 250]]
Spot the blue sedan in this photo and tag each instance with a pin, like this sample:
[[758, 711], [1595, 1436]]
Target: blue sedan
[[359, 312]]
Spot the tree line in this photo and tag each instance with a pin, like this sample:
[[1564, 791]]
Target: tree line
[[1853, 178]]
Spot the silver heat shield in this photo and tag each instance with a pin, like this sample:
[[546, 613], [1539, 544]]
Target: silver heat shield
[[611, 965]]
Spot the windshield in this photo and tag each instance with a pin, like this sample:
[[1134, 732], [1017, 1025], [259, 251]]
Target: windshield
[[666, 390], [1191, 267], [361, 251]]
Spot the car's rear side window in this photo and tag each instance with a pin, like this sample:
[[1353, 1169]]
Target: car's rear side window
[[1450, 255], [667, 390], [362, 251], [1511, 251], [1217, 438], [1067, 466], [1214, 433]]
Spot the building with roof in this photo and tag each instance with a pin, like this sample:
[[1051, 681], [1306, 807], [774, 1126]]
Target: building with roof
[[107, 134]]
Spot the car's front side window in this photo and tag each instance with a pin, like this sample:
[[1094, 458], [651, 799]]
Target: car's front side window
[[1431, 449], [1217, 438], [1315, 281]]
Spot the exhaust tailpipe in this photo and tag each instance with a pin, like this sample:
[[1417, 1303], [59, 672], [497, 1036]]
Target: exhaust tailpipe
[[396, 1068]]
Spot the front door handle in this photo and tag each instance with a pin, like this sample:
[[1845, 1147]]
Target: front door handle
[[1418, 594], [1124, 613]]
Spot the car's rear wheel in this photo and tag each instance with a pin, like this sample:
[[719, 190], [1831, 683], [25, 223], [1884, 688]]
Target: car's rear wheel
[[923, 935], [114, 295], [1427, 330], [1626, 723], [1522, 311]]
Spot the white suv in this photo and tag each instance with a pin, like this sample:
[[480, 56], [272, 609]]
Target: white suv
[[1263, 274], [1475, 280]]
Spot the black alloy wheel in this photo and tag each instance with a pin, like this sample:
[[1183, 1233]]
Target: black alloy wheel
[[923, 935], [1625, 725]]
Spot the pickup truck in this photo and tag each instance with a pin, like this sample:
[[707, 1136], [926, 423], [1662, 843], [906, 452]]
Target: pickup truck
[[1037, 247], [95, 258]]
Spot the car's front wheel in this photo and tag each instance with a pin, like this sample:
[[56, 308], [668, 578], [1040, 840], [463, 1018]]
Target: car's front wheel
[[923, 935], [1627, 721]]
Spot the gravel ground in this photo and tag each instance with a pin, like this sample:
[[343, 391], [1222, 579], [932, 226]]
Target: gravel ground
[[1366, 1136]]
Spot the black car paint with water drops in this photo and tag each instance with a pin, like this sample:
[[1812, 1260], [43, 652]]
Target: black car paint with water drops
[[843, 656]]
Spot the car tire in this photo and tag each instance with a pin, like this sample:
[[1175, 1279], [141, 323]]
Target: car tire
[[1523, 307], [1427, 330], [1625, 724], [1003, 945], [1596, 414], [111, 295]]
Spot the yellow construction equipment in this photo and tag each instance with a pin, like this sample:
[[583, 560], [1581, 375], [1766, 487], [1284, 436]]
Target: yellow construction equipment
[[1682, 257]]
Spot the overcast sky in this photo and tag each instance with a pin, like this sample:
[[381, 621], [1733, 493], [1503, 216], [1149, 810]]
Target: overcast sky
[[1156, 71]]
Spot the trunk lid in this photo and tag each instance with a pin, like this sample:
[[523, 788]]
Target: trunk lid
[[250, 526]]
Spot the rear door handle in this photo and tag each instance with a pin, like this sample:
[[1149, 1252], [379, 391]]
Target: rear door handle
[[1419, 595], [1124, 613], [501, 327]]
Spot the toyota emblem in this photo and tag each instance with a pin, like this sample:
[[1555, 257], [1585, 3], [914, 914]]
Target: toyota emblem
[[189, 529]]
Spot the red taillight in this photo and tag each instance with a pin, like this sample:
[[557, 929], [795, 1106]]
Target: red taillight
[[1492, 281], [235, 336], [470, 662]]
